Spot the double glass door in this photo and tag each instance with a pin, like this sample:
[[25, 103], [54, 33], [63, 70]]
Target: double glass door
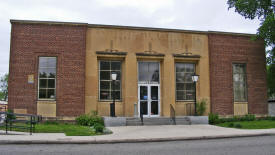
[[149, 99]]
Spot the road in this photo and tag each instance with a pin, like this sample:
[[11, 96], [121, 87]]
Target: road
[[243, 146]]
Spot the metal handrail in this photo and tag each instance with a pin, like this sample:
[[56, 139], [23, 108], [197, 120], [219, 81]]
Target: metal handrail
[[172, 114], [11, 118]]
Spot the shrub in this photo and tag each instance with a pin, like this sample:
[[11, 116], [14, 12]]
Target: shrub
[[231, 124], [98, 127], [213, 118], [201, 107], [89, 119], [237, 125]]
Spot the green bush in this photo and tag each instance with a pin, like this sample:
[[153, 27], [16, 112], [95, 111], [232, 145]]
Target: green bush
[[89, 119], [98, 127], [213, 118], [231, 124], [201, 107], [237, 125]]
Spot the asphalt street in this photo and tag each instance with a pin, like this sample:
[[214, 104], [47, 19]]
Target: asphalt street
[[264, 145]]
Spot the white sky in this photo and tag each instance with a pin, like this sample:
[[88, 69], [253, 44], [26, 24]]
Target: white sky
[[176, 14]]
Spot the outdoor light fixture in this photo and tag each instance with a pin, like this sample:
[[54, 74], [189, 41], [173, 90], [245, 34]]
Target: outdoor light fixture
[[195, 78], [114, 75], [112, 105]]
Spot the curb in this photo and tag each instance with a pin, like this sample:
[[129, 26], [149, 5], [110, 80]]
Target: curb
[[129, 140]]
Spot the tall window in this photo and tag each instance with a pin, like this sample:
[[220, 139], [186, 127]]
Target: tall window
[[106, 68], [185, 88], [47, 78], [239, 82]]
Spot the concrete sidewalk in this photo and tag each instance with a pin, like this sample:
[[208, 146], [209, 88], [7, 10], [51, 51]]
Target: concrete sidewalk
[[135, 134]]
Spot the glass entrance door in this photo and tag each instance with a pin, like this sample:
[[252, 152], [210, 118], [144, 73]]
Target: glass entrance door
[[149, 99]]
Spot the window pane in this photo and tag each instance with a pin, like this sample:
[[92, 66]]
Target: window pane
[[105, 65], [190, 86], [180, 77], [116, 85], [179, 67], [51, 93], [43, 72], [180, 95], [105, 75], [51, 83], [189, 67], [42, 93], [51, 62], [180, 86], [51, 72], [143, 71], [42, 62], [115, 65], [105, 95], [105, 85], [117, 95], [43, 83], [190, 95], [153, 71]]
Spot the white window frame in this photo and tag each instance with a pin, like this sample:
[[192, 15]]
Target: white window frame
[[245, 82], [103, 100], [176, 80], [45, 99]]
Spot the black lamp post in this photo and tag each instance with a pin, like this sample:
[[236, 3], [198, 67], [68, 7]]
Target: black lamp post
[[113, 107], [195, 78]]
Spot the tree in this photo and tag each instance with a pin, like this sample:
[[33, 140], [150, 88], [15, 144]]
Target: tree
[[4, 87], [264, 10]]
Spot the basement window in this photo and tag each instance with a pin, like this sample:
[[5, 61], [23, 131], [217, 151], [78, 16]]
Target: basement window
[[47, 78]]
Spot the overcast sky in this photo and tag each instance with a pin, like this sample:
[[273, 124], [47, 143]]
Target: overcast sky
[[176, 14]]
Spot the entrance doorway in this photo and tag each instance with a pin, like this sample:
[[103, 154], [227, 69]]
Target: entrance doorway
[[149, 99], [148, 89]]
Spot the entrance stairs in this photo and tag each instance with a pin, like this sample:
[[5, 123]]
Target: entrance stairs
[[136, 121]]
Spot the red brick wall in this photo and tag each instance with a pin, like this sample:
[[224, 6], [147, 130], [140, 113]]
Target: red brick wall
[[68, 43], [228, 49]]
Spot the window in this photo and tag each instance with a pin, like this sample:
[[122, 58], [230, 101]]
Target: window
[[47, 78], [148, 72], [106, 68], [185, 88], [239, 82]]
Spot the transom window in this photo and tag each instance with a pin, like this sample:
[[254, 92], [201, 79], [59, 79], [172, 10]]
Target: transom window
[[239, 82], [185, 87], [148, 72], [106, 68], [47, 78]]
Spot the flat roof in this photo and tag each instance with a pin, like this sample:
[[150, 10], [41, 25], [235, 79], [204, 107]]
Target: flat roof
[[126, 27]]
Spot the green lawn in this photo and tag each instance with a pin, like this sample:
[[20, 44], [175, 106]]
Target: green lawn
[[258, 124], [68, 129]]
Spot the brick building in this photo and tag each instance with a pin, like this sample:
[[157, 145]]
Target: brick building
[[61, 69]]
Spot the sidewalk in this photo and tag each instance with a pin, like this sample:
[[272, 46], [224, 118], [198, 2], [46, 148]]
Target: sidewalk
[[135, 134]]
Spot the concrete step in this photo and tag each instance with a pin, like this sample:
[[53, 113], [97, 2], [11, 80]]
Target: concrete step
[[136, 121]]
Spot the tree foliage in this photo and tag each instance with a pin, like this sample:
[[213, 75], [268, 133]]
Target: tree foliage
[[264, 10], [4, 87]]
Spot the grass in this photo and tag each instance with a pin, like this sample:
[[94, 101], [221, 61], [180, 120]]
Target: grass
[[68, 129], [257, 124]]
